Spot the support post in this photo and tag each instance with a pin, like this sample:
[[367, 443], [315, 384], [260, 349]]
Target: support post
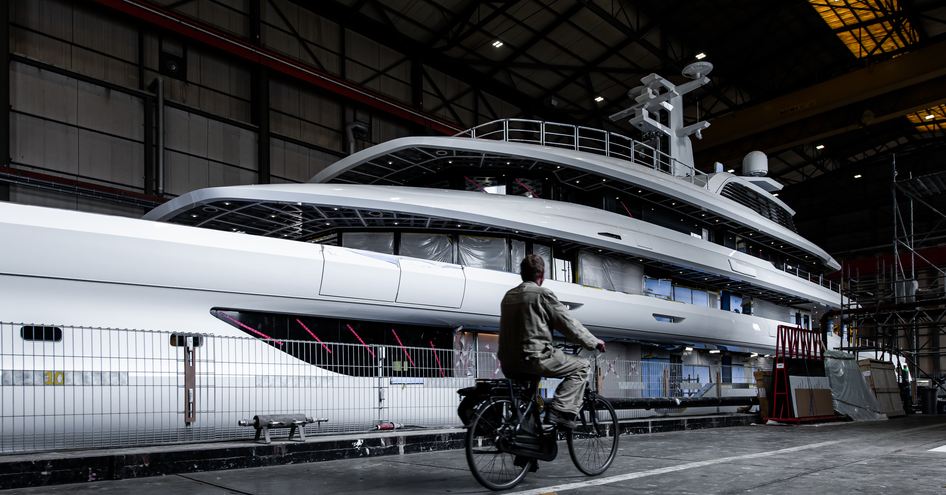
[[5, 91], [260, 100]]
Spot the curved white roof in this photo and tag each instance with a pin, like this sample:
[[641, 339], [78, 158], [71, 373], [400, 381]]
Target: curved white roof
[[554, 219], [621, 170]]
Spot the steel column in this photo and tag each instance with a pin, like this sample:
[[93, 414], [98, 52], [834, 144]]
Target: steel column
[[5, 91]]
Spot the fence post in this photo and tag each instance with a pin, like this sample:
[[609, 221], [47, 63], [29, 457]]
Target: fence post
[[380, 374]]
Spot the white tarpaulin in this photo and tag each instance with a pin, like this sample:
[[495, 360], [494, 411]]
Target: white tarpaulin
[[518, 252], [434, 247], [379, 242], [484, 252], [610, 273], [852, 396]]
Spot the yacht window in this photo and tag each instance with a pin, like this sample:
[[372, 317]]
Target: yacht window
[[660, 288], [495, 189], [379, 242], [41, 334], [562, 270], [434, 247], [683, 294], [484, 252], [544, 252], [609, 273], [730, 302], [700, 298], [517, 253]]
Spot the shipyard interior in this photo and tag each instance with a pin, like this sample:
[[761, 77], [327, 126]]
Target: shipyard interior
[[261, 246]]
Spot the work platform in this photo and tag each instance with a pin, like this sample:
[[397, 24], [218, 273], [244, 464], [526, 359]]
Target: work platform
[[875, 457]]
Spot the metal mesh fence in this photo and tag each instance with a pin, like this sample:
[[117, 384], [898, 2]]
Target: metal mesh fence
[[79, 387]]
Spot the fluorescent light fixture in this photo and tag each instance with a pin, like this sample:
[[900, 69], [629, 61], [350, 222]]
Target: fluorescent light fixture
[[599, 99], [731, 171], [497, 44], [857, 176], [775, 194], [688, 349], [929, 117], [700, 56], [714, 351], [754, 354], [819, 147]]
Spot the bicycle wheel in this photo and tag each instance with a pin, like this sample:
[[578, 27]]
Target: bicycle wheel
[[593, 443], [492, 428]]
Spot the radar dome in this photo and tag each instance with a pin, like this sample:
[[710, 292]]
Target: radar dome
[[755, 164]]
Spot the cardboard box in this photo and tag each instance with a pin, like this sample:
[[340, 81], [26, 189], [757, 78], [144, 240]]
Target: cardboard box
[[813, 402]]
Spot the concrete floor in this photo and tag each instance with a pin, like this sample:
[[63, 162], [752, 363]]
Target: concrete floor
[[879, 457]]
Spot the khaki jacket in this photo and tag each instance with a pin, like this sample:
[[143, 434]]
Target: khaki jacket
[[529, 314]]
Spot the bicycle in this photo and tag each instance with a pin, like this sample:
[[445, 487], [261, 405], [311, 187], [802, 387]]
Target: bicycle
[[505, 436]]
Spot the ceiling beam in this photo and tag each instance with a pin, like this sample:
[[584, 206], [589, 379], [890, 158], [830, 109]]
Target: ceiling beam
[[430, 56], [863, 97]]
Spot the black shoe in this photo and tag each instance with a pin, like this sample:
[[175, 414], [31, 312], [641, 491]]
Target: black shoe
[[561, 419]]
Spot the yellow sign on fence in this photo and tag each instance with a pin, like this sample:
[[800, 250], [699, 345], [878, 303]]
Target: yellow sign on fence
[[53, 378]]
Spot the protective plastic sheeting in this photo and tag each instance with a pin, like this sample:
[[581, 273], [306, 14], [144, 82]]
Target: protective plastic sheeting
[[610, 273], [544, 252], [484, 252], [518, 249], [379, 242], [852, 396], [434, 247]]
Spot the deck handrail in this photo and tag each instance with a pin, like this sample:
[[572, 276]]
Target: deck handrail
[[586, 139]]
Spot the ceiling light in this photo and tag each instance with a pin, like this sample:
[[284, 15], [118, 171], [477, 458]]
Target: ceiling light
[[497, 44], [714, 351], [700, 56], [819, 147], [775, 194], [193, 215], [395, 223], [688, 349], [599, 99], [449, 161], [390, 162], [754, 354], [929, 117], [731, 171], [226, 203], [328, 223], [858, 176]]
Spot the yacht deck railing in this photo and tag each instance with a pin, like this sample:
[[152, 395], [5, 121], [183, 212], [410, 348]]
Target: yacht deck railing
[[586, 139]]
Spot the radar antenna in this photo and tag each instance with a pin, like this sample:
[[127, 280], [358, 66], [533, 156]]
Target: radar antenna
[[660, 95]]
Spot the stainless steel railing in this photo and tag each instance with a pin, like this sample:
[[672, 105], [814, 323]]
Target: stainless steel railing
[[588, 140]]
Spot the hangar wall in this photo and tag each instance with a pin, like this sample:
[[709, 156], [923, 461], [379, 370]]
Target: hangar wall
[[83, 102]]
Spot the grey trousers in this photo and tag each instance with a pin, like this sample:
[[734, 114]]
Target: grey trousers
[[572, 369]]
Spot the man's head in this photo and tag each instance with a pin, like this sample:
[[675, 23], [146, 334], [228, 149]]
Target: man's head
[[532, 269]]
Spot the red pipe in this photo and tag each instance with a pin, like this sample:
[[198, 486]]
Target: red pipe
[[210, 36], [314, 336], [352, 330]]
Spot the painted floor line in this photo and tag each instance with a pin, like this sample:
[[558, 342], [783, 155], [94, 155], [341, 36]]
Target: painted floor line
[[668, 469], [692, 465]]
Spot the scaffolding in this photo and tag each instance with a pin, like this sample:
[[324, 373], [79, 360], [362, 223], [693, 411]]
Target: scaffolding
[[898, 312]]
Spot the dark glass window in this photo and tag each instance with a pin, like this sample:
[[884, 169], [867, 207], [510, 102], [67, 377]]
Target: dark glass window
[[179, 339], [40, 333], [352, 347]]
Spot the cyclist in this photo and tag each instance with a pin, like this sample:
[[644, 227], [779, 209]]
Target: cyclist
[[529, 314]]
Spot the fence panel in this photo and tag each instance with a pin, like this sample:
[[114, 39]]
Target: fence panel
[[78, 387]]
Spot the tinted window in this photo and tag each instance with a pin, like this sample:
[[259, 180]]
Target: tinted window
[[40, 333]]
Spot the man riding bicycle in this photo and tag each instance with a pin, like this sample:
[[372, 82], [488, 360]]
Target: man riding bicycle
[[529, 314]]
